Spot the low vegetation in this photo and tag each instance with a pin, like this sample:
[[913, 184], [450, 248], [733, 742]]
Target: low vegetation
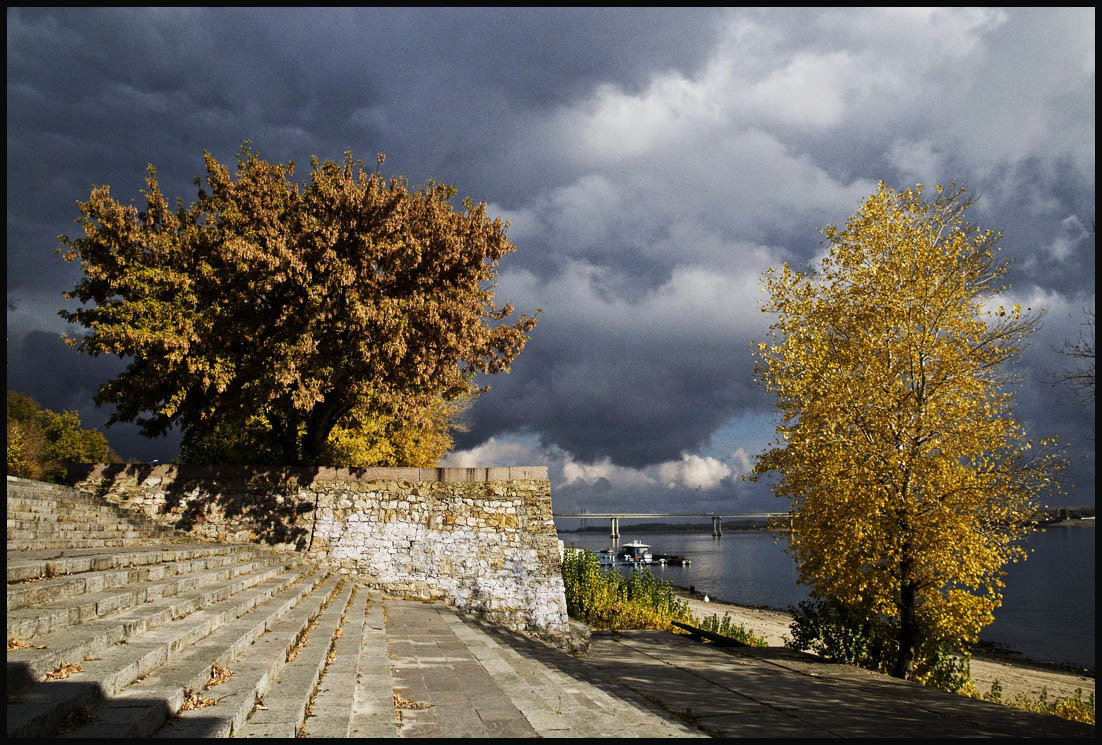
[[609, 600], [837, 633], [727, 627], [606, 599], [1075, 708]]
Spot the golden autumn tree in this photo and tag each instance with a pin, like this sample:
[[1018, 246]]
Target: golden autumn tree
[[910, 481], [43, 443], [268, 314]]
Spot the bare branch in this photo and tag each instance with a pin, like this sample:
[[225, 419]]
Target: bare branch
[[1080, 378]]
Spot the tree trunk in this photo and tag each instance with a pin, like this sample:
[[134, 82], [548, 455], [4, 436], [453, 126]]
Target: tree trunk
[[286, 433], [323, 417], [908, 625], [908, 632]]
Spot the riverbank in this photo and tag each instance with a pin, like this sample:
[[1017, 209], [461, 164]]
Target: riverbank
[[1015, 677]]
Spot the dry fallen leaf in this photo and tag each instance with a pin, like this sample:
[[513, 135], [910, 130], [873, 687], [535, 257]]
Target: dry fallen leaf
[[218, 675], [193, 700], [64, 671], [78, 717], [401, 703]]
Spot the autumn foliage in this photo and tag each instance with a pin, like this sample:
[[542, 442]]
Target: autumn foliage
[[910, 481], [269, 316], [41, 443]]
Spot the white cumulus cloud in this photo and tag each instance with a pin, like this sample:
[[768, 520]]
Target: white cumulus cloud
[[694, 472], [603, 469]]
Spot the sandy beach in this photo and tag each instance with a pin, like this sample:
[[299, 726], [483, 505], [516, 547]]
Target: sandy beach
[[1014, 677]]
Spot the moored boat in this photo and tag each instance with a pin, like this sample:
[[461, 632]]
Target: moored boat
[[672, 560], [636, 553], [607, 557]]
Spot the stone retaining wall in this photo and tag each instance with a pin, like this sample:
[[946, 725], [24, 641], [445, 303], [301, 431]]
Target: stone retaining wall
[[483, 538]]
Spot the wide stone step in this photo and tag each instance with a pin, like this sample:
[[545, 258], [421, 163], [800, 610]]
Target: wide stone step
[[50, 503], [20, 488], [210, 675], [42, 516], [62, 539], [44, 618], [39, 543], [70, 645], [71, 508], [28, 565], [106, 528], [104, 517], [66, 518], [22, 594], [43, 706], [254, 669]]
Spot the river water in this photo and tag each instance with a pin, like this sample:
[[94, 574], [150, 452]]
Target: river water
[[1047, 613]]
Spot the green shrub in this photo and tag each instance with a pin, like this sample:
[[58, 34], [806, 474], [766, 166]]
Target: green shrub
[[846, 635], [606, 599], [843, 634], [837, 633], [737, 631], [1075, 708]]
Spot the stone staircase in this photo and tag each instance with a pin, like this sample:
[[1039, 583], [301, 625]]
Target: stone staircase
[[117, 627], [42, 516]]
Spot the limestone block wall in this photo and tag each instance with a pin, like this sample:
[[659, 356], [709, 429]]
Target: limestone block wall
[[483, 538]]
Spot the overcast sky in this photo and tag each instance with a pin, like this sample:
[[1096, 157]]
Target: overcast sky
[[653, 163]]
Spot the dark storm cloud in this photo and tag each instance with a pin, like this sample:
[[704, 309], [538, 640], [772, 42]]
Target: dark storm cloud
[[95, 94], [635, 400], [42, 363]]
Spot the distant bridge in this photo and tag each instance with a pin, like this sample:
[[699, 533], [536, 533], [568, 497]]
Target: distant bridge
[[1050, 515], [614, 517]]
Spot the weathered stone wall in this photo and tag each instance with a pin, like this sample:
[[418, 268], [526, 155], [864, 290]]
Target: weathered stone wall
[[483, 538]]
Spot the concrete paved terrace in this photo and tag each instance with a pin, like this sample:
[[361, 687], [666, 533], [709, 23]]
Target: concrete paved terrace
[[174, 638]]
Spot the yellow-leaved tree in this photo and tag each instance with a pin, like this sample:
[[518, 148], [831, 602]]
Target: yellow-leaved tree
[[910, 481], [43, 443]]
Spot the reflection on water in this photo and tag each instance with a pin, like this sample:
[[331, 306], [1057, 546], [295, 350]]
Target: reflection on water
[[1048, 603]]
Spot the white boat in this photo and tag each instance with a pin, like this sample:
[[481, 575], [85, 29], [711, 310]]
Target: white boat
[[636, 553], [607, 557]]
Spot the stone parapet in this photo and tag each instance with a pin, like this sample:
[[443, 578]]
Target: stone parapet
[[483, 538], [303, 474]]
